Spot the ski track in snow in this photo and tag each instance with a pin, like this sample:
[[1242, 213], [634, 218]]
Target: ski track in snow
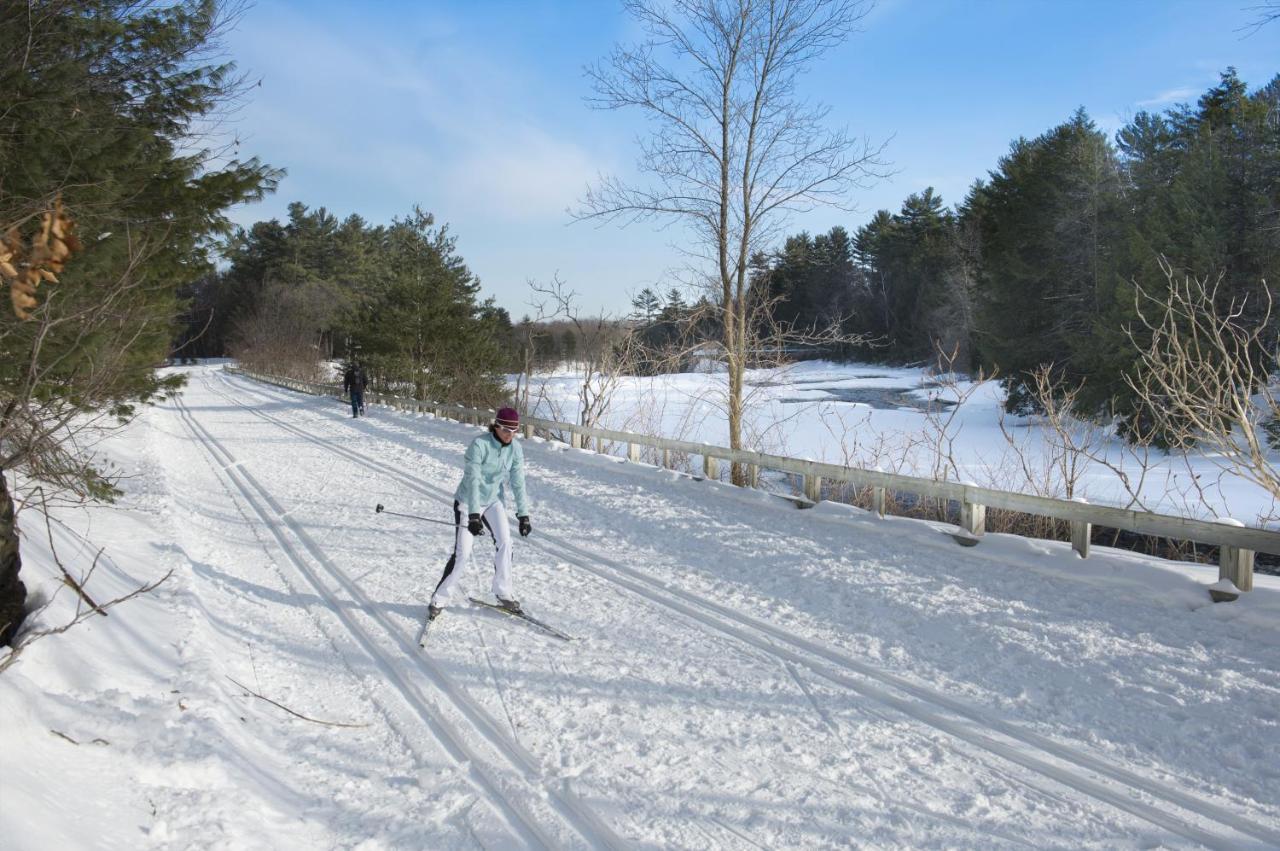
[[744, 674], [978, 732], [458, 744]]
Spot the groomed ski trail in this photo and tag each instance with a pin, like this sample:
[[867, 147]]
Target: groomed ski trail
[[493, 783], [1162, 805]]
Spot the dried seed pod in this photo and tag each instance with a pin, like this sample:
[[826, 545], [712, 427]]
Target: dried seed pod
[[26, 266], [23, 300]]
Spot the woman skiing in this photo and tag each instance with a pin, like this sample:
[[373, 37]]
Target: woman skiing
[[493, 461]]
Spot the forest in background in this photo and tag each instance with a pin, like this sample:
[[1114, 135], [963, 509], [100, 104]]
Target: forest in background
[[1036, 275], [1044, 261]]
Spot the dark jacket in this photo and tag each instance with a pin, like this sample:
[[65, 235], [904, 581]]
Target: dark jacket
[[354, 381]]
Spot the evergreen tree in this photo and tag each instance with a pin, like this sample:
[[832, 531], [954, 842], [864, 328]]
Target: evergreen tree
[[914, 287], [1206, 188], [833, 285], [569, 345], [675, 306], [1202, 186], [646, 305], [100, 98], [424, 329], [871, 254], [1051, 226], [546, 349]]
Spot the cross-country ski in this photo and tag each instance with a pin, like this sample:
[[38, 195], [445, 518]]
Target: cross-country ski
[[428, 621], [520, 614]]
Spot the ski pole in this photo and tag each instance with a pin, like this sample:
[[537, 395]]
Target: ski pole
[[378, 509]]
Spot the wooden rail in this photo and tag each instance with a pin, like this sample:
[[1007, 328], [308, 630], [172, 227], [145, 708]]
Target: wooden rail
[[1237, 544]]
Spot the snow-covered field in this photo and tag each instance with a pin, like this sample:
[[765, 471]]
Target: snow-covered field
[[872, 415], [745, 674]]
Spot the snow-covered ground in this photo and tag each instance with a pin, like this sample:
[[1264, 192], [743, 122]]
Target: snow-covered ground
[[872, 415], [745, 674]]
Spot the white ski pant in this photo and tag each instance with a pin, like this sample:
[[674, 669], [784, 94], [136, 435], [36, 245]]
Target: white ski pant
[[495, 520]]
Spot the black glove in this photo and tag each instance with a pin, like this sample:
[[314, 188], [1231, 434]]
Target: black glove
[[473, 524], [525, 526]]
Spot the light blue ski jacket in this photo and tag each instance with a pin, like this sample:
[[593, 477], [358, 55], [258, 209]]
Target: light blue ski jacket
[[487, 466]]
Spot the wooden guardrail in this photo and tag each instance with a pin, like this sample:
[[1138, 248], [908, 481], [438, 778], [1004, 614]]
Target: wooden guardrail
[[1237, 543]]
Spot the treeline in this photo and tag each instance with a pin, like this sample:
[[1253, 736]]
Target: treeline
[[1042, 261], [399, 298], [550, 344], [396, 297], [1040, 264]]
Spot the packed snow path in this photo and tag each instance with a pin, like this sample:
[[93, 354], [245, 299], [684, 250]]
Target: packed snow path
[[747, 674]]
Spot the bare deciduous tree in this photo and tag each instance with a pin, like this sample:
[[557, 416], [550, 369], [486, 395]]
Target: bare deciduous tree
[[948, 393], [607, 349], [735, 148], [1268, 11], [1204, 375], [282, 336]]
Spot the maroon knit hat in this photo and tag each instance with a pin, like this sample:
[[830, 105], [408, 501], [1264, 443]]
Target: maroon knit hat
[[508, 417]]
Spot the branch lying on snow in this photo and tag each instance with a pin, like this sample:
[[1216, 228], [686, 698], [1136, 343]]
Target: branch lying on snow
[[290, 711], [62, 735], [67, 578]]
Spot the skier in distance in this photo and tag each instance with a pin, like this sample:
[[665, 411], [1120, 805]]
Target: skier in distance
[[354, 382], [493, 461]]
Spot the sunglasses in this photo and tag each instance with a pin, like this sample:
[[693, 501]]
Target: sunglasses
[[507, 429]]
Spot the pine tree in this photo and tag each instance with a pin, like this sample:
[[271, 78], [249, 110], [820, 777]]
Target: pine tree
[[100, 98], [569, 345], [871, 254], [424, 327], [1051, 227], [646, 306]]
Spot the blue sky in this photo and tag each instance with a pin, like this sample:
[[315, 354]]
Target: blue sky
[[474, 110]]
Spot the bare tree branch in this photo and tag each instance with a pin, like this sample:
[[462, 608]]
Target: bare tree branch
[[253, 693], [1205, 376], [27, 638]]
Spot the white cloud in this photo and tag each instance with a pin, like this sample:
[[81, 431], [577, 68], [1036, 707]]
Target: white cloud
[[1170, 96], [414, 118]]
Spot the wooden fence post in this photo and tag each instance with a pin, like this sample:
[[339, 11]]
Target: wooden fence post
[[973, 516], [1235, 563], [1081, 531], [813, 488], [633, 452], [710, 468], [878, 500], [575, 440], [666, 459], [753, 475]]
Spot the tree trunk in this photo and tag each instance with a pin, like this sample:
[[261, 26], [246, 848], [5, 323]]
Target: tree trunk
[[737, 471], [13, 594]]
